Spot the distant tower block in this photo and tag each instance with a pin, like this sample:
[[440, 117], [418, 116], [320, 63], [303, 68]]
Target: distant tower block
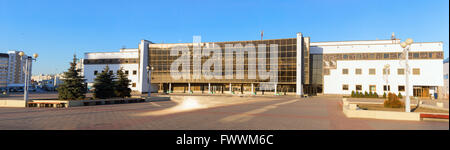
[[196, 39]]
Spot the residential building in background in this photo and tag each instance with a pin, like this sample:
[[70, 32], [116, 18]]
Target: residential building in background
[[12, 67], [446, 88], [304, 67]]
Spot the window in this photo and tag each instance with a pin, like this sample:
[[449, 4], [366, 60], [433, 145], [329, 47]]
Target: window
[[401, 88], [416, 71], [358, 71], [416, 55], [372, 88], [345, 87], [386, 88], [95, 72], [345, 71], [386, 56], [134, 85], [386, 71], [134, 72], [126, 72], [358, 87], [401, 71], [372, 71]]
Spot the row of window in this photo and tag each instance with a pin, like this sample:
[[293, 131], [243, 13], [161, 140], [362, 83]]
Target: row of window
[[111, 71], [373, 88], [372, 71]]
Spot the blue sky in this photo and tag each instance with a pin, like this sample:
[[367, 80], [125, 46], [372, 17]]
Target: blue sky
[[56, 29]]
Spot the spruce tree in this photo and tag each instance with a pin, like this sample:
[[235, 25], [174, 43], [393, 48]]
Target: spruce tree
[[121, 87], [74, 85], [104, 84]]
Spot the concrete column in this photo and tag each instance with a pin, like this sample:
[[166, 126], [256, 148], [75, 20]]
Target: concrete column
[[275, 88], [299, 84], [209, 87], [231, 89], [189, 88], [170, 87], [253, 91]]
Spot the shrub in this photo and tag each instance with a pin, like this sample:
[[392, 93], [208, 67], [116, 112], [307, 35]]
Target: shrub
[[400, 95], [393, 101], [371, 94], [366, 94], [361, 94], [384, 95], [375, 95], [353, 94]]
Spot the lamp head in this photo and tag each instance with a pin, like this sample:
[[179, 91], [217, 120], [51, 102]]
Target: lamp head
[[148, 67], [35, 55], [403, 44], [409, 41], [21, 54]]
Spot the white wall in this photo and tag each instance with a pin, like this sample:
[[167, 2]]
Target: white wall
[[429, 75], [89, 72]]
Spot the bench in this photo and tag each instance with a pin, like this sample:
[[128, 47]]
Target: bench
[[46, 104]]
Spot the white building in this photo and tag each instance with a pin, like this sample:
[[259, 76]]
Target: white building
[[304, 68], [361, 67], [12, 68], [128, 59]]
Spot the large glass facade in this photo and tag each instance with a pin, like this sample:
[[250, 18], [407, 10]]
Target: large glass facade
[[160, 60]]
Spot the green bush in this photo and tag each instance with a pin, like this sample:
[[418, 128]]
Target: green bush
[[384, 95], [366, 94], [371, 94], [353, 94], [375, 95], [400, 95], [393, 101]]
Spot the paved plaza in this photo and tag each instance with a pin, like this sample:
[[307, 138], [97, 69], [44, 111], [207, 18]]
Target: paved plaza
[[205, 112]]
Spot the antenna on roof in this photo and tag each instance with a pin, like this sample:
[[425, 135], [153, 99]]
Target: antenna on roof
[[262, 34]]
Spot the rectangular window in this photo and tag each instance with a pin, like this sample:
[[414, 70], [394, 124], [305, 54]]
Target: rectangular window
[[386, 88], [386, 71], [95, 72], [345, 87], [345, 71], [416, 71], [358, 71], [372, 88], [401, 71], [134, 85], [126, 72], [358, 87], [386, 56], [134, 72], [372, 71], [401, 88]]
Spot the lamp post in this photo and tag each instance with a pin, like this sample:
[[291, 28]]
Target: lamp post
[[27, 72], [406, 47], [149, 73]]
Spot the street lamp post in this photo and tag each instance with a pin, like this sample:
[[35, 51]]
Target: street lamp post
[[406, 47], [149, 73], [27, 72]]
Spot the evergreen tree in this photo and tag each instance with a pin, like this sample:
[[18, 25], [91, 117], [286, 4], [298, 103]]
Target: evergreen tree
[[121, 89], [73, 86], [104, 84]]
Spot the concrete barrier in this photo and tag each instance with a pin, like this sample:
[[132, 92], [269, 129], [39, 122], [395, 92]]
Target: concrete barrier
[[440, 104], [12, 103], [351, 112]]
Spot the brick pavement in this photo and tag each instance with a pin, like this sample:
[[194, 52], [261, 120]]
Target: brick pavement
[[219, 112]]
